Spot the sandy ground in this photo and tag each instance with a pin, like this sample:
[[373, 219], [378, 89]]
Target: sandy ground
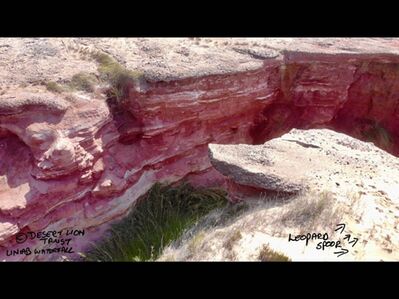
[[346, 182]]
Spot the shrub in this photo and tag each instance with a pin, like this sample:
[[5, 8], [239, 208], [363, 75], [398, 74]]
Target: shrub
[[83, 81], [115, 74], [266, 254], [54, 87], [110, 71]]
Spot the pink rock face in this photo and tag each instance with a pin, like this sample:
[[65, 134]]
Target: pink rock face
[[78, 165]]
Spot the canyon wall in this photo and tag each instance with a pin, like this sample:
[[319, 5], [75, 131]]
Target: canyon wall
[[76, 162]]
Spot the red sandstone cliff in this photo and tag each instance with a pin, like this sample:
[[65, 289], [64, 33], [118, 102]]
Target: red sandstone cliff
[[69, 161]]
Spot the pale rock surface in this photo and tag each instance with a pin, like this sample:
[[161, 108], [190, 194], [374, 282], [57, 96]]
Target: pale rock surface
[[352, 182], [69, 161]]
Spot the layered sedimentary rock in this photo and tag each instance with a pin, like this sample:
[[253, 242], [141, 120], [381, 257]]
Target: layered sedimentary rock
[[314, 160], [320, 178], [70, 161]]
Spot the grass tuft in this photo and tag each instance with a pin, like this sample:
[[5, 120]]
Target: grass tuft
[[54, 87], [110, 71], [232, 240], [158, 219], [309, 208], [195, 243], [115, 74], [266, 254], [83, 81], [378, 135]]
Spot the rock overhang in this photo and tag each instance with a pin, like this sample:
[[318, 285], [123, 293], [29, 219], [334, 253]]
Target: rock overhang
[[175, 117]]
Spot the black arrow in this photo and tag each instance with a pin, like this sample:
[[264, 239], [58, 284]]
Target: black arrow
[[342, 252], [341, 227], [347, 237], [354, 241]]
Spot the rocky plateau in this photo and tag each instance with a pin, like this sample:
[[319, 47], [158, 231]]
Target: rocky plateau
[[70, 160]]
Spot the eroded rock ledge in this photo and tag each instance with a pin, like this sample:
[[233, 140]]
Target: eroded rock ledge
[[335, 178], [71, 163]]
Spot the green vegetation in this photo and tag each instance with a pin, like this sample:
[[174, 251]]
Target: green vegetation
[[195, 243], [266, 254], [231, 212], [80, 81], [83, 81], [114, 73], [158, 219], [54, 87], [110, 71], [377, 134]]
